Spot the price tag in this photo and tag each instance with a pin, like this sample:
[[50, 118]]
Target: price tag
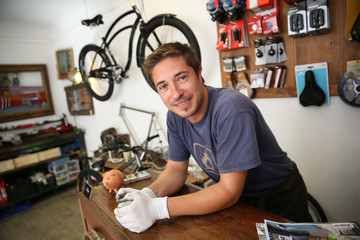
[[88, 190]]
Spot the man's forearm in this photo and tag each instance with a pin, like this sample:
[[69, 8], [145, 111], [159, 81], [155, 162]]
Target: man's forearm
[[171, 180], [214, 198], [206, 201]]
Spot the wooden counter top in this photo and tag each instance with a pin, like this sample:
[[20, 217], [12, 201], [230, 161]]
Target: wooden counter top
[[236, 222]]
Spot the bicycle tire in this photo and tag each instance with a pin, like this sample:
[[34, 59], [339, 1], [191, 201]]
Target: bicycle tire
[[316, 212], [168, 29], [93, 57], [90, 176]]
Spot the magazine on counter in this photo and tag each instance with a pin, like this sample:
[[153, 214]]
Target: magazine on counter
[[260, 228], [271, 230]]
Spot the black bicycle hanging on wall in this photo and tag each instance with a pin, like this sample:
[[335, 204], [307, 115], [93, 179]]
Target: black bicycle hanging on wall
[[98, 66]]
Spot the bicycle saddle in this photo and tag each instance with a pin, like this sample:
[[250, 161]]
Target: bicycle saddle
[[97, 20], [312, 93]]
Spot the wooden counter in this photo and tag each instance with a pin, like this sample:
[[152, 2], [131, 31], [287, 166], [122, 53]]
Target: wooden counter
[[236, 222]]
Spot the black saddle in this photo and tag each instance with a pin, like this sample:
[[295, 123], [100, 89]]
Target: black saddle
[[312, 93], [96, 21]]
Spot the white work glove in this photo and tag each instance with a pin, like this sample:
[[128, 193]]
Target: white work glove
[[123, 191], [142, 212]]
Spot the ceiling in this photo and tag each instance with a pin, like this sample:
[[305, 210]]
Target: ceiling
[[46, 14]]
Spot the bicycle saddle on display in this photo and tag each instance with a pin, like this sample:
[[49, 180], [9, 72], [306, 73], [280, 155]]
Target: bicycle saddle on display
[[312, 93], [97, 20]]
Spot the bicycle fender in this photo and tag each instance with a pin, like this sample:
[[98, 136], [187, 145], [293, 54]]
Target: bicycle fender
[[163, 15], [166, 15]]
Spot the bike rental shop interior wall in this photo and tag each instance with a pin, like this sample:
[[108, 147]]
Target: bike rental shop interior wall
[[323, 141]]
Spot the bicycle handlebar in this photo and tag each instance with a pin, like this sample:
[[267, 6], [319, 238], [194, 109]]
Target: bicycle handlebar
[[152, 137], [124, 147], [116, 147]]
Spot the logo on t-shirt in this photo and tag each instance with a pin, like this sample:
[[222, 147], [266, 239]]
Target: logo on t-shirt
[[205, 159]]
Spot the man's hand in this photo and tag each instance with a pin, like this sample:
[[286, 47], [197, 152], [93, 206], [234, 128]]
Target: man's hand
[[142, 212], [121, 194]]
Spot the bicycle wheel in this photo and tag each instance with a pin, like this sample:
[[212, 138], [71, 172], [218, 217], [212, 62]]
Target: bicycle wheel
[[316, 212], [97, 78], [160, 30], [90, 176]]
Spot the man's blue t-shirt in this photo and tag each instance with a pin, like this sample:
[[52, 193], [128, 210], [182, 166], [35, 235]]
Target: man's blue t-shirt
[[232, 136]]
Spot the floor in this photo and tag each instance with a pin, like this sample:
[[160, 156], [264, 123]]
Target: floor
[[55, 216]]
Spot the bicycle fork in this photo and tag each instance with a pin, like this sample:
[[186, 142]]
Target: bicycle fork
[[136, 161]]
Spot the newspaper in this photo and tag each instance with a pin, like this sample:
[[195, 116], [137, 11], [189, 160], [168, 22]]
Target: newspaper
[[260, 228], [271, 230]]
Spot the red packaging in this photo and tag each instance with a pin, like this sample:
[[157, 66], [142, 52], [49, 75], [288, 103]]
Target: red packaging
[[237, 36], [255, 25], [223, 37], [3, 195], [259, 5], [270, 23]]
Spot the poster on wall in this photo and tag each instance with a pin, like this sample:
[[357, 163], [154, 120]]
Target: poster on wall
[[24, 92], [79, 100], [64, 62]]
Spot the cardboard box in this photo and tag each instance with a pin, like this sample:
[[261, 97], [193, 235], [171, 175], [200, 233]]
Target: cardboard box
[[7, 165], [26, 160], [50, 153], [260, 5]]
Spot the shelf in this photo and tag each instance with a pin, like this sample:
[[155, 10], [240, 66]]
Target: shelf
[[80, 154], [39, 143], [35, 195], [19, 186], [330, 47]]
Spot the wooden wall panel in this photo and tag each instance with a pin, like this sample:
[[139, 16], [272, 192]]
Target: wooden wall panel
[[331, 47]]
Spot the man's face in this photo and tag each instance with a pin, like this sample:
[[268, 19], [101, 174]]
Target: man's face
[[181, 90]]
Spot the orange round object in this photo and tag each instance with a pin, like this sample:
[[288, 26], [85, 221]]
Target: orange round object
[[113, 180]]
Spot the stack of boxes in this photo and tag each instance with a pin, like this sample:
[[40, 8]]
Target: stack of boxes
[[73, 169], [29, 159], [64, 170]]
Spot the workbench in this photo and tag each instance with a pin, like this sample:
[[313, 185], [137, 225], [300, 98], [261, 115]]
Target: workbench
[[236, 222]]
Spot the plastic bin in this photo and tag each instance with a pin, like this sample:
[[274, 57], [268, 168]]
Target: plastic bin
[[60, 170], [73, 166], [63, 180], [58, 165]]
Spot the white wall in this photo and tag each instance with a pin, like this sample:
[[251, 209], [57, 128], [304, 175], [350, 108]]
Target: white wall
[[322, 140]]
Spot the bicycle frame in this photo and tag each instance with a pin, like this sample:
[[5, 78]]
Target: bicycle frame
[[98, 65], [106, 41], [153, 123]]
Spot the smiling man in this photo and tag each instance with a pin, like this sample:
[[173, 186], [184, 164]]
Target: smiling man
[[227, 136], [180, 88]]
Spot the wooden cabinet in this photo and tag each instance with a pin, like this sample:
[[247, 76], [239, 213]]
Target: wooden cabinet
[[236, 222], [330, 47]]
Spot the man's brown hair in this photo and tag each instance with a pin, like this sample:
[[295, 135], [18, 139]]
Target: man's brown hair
[[169, 50]]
